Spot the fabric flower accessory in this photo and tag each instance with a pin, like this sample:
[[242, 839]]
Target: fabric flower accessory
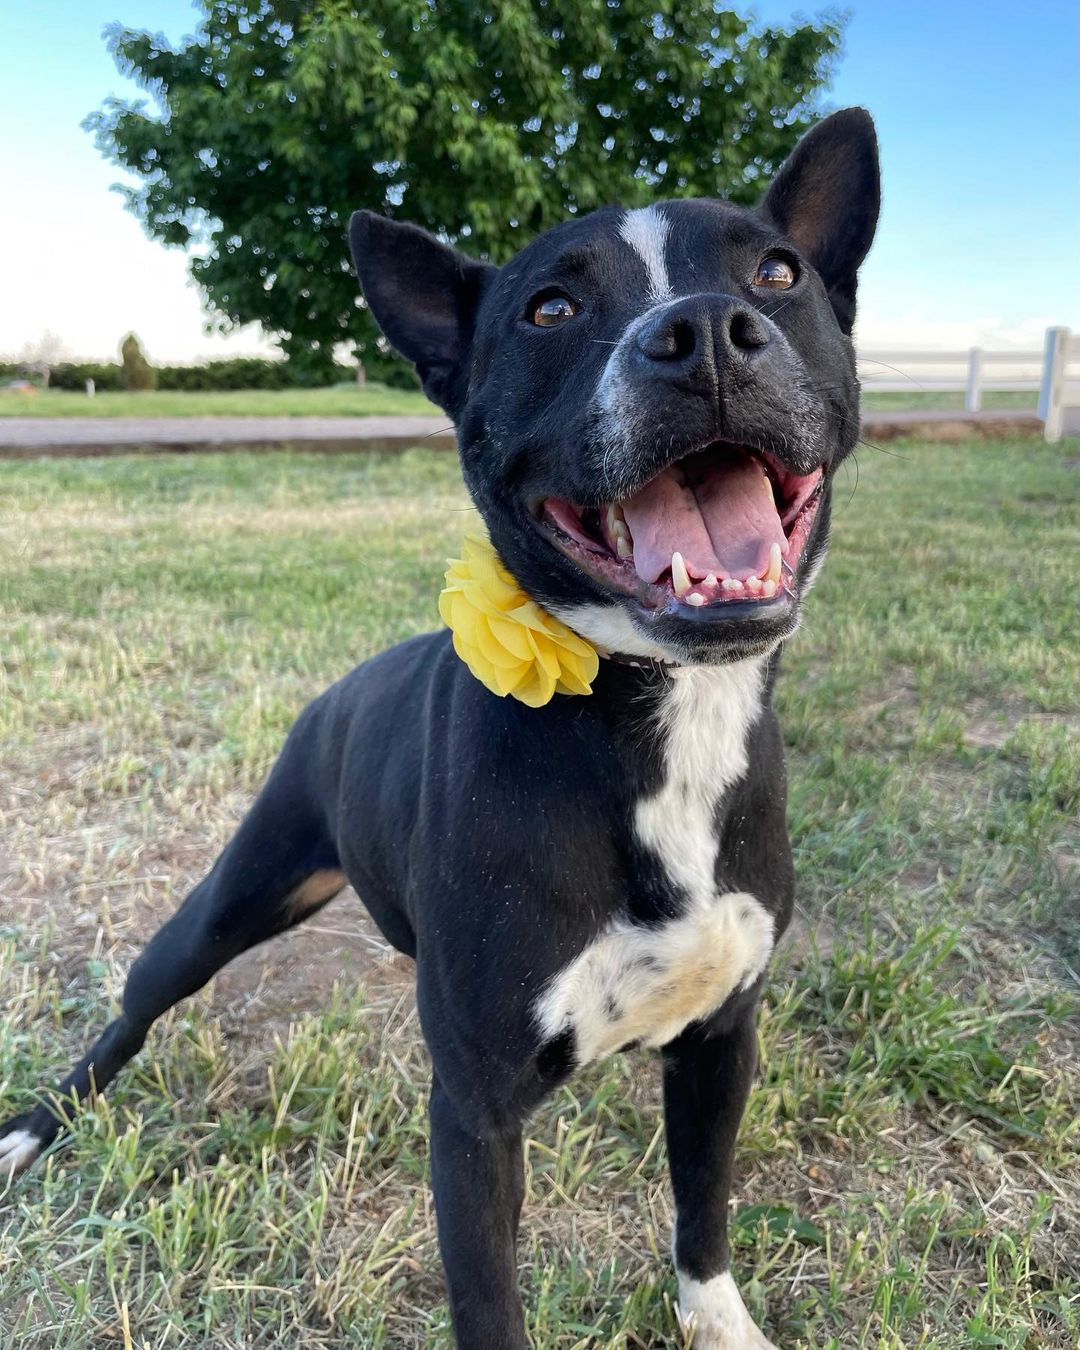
[[509, 643]]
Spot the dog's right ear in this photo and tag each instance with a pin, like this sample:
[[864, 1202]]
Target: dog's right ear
[[424, 296]]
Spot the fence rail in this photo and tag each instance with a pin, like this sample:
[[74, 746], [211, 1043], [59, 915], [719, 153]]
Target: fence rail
[[961, 372], [1054, 373]]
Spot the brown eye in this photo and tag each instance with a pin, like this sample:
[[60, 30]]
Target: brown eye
[[552, 311], [775, 273]]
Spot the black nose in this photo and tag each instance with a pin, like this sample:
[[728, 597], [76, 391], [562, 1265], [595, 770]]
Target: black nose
[[702, 334]]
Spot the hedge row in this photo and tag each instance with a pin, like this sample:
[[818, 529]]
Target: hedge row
[[239, 372]]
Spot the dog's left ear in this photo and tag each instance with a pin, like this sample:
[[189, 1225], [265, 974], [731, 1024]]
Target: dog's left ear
[[424, 296], [826, 199]]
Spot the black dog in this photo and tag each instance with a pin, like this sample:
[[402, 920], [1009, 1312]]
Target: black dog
[[651, 406]]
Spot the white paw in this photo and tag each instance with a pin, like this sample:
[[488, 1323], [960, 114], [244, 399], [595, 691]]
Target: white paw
[[17, 1151], [714, 1311]]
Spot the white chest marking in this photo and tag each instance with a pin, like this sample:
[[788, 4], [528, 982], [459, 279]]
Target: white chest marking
[[705, 723], [637, 983], [646, 230], [714, 1311], [646, 984]]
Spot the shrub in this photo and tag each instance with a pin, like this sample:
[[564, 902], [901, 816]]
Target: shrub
[[138, 372], [107, 376]]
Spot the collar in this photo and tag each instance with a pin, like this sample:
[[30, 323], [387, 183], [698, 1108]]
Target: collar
[[512, 645]]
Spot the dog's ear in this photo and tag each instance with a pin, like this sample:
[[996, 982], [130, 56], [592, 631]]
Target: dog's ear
[[826, 199], [424, 296]]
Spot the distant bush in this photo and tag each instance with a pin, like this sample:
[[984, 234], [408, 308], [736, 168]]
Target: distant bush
[[238, 372], [107, 375], [235, 372], [138, 373]]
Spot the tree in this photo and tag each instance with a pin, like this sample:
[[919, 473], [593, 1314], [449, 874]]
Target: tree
[[485, 122], [39, 357], [138, 373]]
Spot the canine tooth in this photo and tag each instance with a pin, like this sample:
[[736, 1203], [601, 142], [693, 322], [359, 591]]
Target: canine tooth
[[753, 585], [621, 530], [623, 547], [768, 589], [695, 598], [680, 577], [731, 584], [772, 572]]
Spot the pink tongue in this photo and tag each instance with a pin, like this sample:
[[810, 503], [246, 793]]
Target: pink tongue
[[725, 524]]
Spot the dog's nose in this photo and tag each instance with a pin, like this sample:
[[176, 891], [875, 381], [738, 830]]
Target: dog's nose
[[703, 334]]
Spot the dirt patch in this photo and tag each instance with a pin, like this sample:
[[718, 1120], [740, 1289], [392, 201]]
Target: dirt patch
[[100, 878]]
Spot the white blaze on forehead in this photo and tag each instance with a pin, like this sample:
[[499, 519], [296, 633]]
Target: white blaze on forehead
[[646, 230]]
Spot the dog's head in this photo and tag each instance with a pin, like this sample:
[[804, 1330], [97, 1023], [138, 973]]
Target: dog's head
[[651, 404]]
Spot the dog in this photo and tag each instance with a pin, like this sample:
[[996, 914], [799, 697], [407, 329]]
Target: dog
[[651, 406]]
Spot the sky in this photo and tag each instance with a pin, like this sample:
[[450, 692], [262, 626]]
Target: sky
[[976, 103]]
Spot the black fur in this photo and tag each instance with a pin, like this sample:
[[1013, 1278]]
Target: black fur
[[491, 841]]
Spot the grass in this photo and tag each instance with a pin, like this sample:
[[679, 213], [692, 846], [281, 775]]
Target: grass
[[339, 401], [343, 401], [910, 1162], [925, 400]]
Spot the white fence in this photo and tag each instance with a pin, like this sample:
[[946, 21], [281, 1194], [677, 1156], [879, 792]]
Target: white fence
[[971, 373], [1053, 373], [1059, 396]]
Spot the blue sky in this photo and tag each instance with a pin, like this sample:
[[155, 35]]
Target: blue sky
[[977, 109]]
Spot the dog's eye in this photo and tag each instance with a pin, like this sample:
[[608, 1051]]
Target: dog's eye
[[775, 273], [551, 311]]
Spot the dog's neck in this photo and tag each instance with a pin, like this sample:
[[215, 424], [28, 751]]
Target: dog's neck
[[691, 723]]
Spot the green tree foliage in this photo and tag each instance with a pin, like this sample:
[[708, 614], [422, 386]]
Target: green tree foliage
[[137, 372], [485, 122]]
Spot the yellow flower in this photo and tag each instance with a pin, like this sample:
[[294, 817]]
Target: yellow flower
[[508, 642]]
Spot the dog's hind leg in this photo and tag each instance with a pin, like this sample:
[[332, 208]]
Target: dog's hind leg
[[279, 868]]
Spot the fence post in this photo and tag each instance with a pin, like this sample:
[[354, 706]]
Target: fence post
[[1052, 390], [973, 395]]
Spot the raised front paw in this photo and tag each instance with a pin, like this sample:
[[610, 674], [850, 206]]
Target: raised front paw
[[714, 1312]]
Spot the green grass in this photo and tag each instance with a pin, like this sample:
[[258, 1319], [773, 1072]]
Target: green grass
[[348, 402], [910, 1161], [920, 400], [340, 401]]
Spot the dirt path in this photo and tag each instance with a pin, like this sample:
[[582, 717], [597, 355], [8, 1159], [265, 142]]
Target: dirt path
[[22, 436]]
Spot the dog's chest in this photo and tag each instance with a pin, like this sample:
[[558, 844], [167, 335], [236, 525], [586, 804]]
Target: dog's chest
[[646, 982]]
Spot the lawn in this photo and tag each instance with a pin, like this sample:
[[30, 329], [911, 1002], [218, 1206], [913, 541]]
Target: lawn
[[346, 401], [339, 401], [924, 400], [910, 1163]]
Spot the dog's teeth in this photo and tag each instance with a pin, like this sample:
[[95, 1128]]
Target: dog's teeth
[[680, 577], [772, 572], [710, 580], [732, 585], [696, 598], [616, 522], [768, 484], [768, 589], [753, 585], [623, 547]]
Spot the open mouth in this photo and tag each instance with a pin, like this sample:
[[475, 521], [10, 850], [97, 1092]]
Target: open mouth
[[724, 524]]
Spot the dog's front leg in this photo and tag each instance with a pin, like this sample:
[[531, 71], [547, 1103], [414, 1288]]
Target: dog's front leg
[[707, 1076], [479, 1187]]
